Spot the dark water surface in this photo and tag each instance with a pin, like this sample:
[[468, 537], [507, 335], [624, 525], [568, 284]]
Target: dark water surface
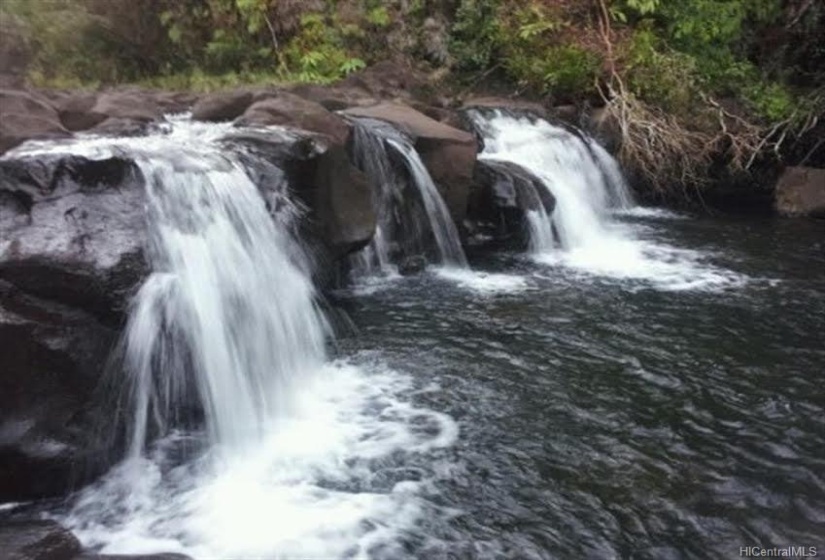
[[606, 417]]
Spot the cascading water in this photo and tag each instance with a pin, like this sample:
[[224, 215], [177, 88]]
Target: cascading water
[[225, 309], [227, 325], [584, 231], [579, 173], [404, 217]]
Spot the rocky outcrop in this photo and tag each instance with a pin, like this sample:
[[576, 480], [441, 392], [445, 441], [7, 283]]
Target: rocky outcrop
[[342, 202], [448, 153], [800, 191], [71, 255], [37, 540], [222, 106], [25, 115], [505, 192], [287, 109], [73, 230]]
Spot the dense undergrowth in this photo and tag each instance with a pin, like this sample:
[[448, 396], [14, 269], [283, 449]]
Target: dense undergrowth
[[684, 80]]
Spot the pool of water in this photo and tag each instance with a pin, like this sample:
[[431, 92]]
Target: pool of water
[[676, 412]]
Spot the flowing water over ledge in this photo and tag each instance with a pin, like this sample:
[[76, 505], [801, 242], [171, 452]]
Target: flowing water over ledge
[[652, 391]]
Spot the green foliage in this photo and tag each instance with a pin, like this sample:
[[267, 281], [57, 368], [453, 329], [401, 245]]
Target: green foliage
[[660, 76], [475, 34], [773, 102], [379, 17]]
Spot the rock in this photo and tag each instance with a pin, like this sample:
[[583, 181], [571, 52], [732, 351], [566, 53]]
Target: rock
[[130, 104], [75, 111], [339, 198], [49, 438], [287, 109], [222, 106], [412, 265], [37, 540], [448, 153], [342, 203], [334, 98], [73, 230], [800, 191], [504, 193], [175, 101], [24, 116]]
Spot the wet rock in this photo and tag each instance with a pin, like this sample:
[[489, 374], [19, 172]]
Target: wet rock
[[287, 109], [503, 193], [342, 202], [53, 358], [448, 153], [410, 266], [25, 115], [222, 106], [72, 230], [37, 540], [800, 191], [338, 196]]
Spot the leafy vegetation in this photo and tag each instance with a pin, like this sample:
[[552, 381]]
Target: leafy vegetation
[[687, 72]]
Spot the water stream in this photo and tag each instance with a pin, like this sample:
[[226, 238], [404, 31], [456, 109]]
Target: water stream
[[644, 385]]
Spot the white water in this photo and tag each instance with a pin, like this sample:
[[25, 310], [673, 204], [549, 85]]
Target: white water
[[298, 458], [441, 223], [396, 220], [584, 232]]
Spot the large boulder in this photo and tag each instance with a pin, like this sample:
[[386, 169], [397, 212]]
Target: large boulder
[[53, 358], [287, 109], [26, 115], [801, 192], [73, 230], [71, 254], [75, 111], [448, 153], [504, 192], [342, 202], [222, 106], [334, 98], [338, 196], [37, 540], [129, 104]]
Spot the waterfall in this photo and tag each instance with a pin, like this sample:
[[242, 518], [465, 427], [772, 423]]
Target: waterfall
[[226, 314], [584, 179], [407, 202]]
